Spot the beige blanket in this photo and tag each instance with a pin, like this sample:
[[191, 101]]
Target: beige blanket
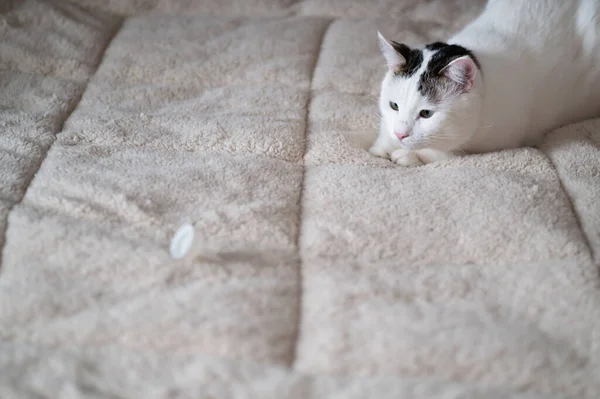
[[317, 270]]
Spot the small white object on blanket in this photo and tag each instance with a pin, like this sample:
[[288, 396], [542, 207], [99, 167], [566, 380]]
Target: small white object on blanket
[[182, 241]]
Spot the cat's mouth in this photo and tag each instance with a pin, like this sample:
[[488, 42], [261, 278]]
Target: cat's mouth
[[409, 141], [405, 140], [412, 143], [400, 138]]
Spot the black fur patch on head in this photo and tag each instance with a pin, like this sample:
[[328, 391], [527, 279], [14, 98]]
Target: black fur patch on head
[[432, 82], [413, 57], [446, 53], [435, 46]]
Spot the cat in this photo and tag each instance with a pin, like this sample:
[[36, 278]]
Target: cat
[[519, 70]]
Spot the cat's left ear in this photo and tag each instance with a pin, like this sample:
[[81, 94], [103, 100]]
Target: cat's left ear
[[463, 71], [393, 56]]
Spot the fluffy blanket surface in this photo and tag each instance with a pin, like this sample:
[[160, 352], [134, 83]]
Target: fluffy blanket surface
[[317, 269]]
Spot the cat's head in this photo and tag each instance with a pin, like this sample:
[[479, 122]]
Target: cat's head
[[430, 97]]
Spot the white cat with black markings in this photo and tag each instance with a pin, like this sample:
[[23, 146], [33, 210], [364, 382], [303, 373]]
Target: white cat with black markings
[[519, 70]]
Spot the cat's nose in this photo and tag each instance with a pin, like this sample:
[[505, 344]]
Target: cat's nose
[[401, 135]]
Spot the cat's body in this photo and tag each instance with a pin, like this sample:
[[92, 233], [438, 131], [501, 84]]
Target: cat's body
[[520, 69]]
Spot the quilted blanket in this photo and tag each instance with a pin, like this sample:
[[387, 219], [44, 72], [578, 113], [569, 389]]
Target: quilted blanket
[[316, 270]]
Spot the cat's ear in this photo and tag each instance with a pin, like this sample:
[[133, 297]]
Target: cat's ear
[[393, 57], [463, 71]]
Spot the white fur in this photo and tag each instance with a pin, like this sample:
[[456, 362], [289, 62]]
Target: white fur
[[540, 64]]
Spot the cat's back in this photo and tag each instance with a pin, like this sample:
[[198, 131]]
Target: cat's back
[[536, 24]]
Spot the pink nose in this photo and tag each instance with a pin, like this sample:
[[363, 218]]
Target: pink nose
[[401, 135]]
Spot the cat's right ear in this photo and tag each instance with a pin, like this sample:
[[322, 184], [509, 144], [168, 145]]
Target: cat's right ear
[[394, 59]]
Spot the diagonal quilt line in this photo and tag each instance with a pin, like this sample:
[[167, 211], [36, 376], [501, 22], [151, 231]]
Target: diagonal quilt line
[[36, 166], [300, 276], [576, 214], [594, 343]]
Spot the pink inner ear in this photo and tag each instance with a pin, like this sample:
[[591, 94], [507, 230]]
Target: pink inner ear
[[463, 71]]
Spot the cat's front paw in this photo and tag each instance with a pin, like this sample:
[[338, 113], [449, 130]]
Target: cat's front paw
[[405, 158], [379, 151]]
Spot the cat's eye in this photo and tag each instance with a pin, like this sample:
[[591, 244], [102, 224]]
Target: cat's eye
[[426, 113], [394, 106]]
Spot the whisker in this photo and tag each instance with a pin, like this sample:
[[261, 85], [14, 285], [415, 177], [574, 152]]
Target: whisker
[[440, 138]]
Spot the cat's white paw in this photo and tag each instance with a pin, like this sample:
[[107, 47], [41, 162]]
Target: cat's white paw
[[405, 158], [379, 151]]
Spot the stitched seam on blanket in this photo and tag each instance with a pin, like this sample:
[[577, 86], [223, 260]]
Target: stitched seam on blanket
[[576, 214], [36, 166], [300, 276]]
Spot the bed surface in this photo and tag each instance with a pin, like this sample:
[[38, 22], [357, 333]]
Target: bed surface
[[317, 269]]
